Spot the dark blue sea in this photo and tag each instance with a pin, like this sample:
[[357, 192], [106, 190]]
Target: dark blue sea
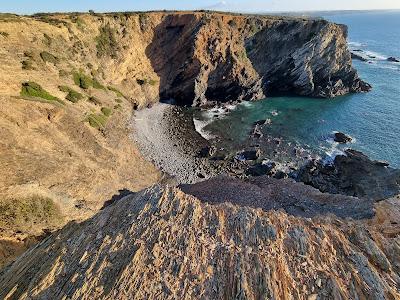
[[372, 119]]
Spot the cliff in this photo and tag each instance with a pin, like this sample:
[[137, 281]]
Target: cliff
[[164, 244]]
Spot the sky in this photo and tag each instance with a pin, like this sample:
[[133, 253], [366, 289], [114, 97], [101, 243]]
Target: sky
[[31, 6]]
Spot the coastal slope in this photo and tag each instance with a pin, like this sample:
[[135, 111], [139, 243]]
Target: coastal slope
[[164, 244], [70, 83]]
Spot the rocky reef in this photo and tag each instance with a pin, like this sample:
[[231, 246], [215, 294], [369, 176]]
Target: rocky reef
[[162, 243]]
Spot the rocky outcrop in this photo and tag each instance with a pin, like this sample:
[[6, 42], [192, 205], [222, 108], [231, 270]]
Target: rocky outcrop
[[353, 174], [212, 57], [164, 244]]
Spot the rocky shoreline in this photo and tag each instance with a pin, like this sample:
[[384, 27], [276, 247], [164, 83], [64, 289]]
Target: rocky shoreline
[[167, 136]]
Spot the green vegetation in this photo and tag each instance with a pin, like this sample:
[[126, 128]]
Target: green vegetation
[[32, 89], [146, 81], [27, 213], [5, 34], [72, 95], [116, 91], [118, 106], [106, 111], [118, 100], [48, 57], [97, 120], [85, 82], [106, 42]]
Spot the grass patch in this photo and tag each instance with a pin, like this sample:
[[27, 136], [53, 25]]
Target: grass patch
[[97, 120], [84, 81], [48, 57], [5, 34], [106, 42], [72, 95], [106, 111], [23, 214], [116, 91], [146, 81], [32, 89]]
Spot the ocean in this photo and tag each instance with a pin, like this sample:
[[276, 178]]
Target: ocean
[[371, 119]]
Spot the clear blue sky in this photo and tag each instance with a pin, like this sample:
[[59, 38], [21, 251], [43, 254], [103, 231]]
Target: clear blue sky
[[32, 6]]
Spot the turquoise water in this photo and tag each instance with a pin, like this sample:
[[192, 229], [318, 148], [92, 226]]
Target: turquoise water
[[372, 119]]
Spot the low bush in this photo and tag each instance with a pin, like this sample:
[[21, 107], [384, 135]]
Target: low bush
[[23, 214], [97, 120], [84, 81], [106, 42], [32, 89], [106, 111], [72, 95], [48, 57], [5, 34]]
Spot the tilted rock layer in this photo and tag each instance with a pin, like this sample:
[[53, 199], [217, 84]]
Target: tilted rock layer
[[164, 244]]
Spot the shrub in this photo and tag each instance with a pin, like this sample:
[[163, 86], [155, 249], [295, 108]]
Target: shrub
[[146, 81], [118, 100], [84, 81], [106, 42], [116, 91], [23, 214], [48, 57], [106, 111], [5, 34], [97, 120], [72, 96], [32, 89], [118, 106], [27, 65], [143, 21]]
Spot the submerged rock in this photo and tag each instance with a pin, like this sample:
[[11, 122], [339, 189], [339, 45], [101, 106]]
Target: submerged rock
[[393, 59]]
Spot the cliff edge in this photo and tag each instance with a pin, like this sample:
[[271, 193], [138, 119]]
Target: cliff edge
[[164, 244]]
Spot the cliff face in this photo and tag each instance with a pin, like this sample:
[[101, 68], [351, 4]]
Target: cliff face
[[212, 57], [164, 244]]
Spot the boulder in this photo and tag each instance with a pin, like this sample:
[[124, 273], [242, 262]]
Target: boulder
[[340, 137], [253, 154]]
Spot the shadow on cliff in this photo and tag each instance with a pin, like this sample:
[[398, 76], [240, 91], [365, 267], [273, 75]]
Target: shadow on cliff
[[170, 52]]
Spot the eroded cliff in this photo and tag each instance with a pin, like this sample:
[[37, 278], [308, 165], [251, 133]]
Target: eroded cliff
[[164, 244]]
